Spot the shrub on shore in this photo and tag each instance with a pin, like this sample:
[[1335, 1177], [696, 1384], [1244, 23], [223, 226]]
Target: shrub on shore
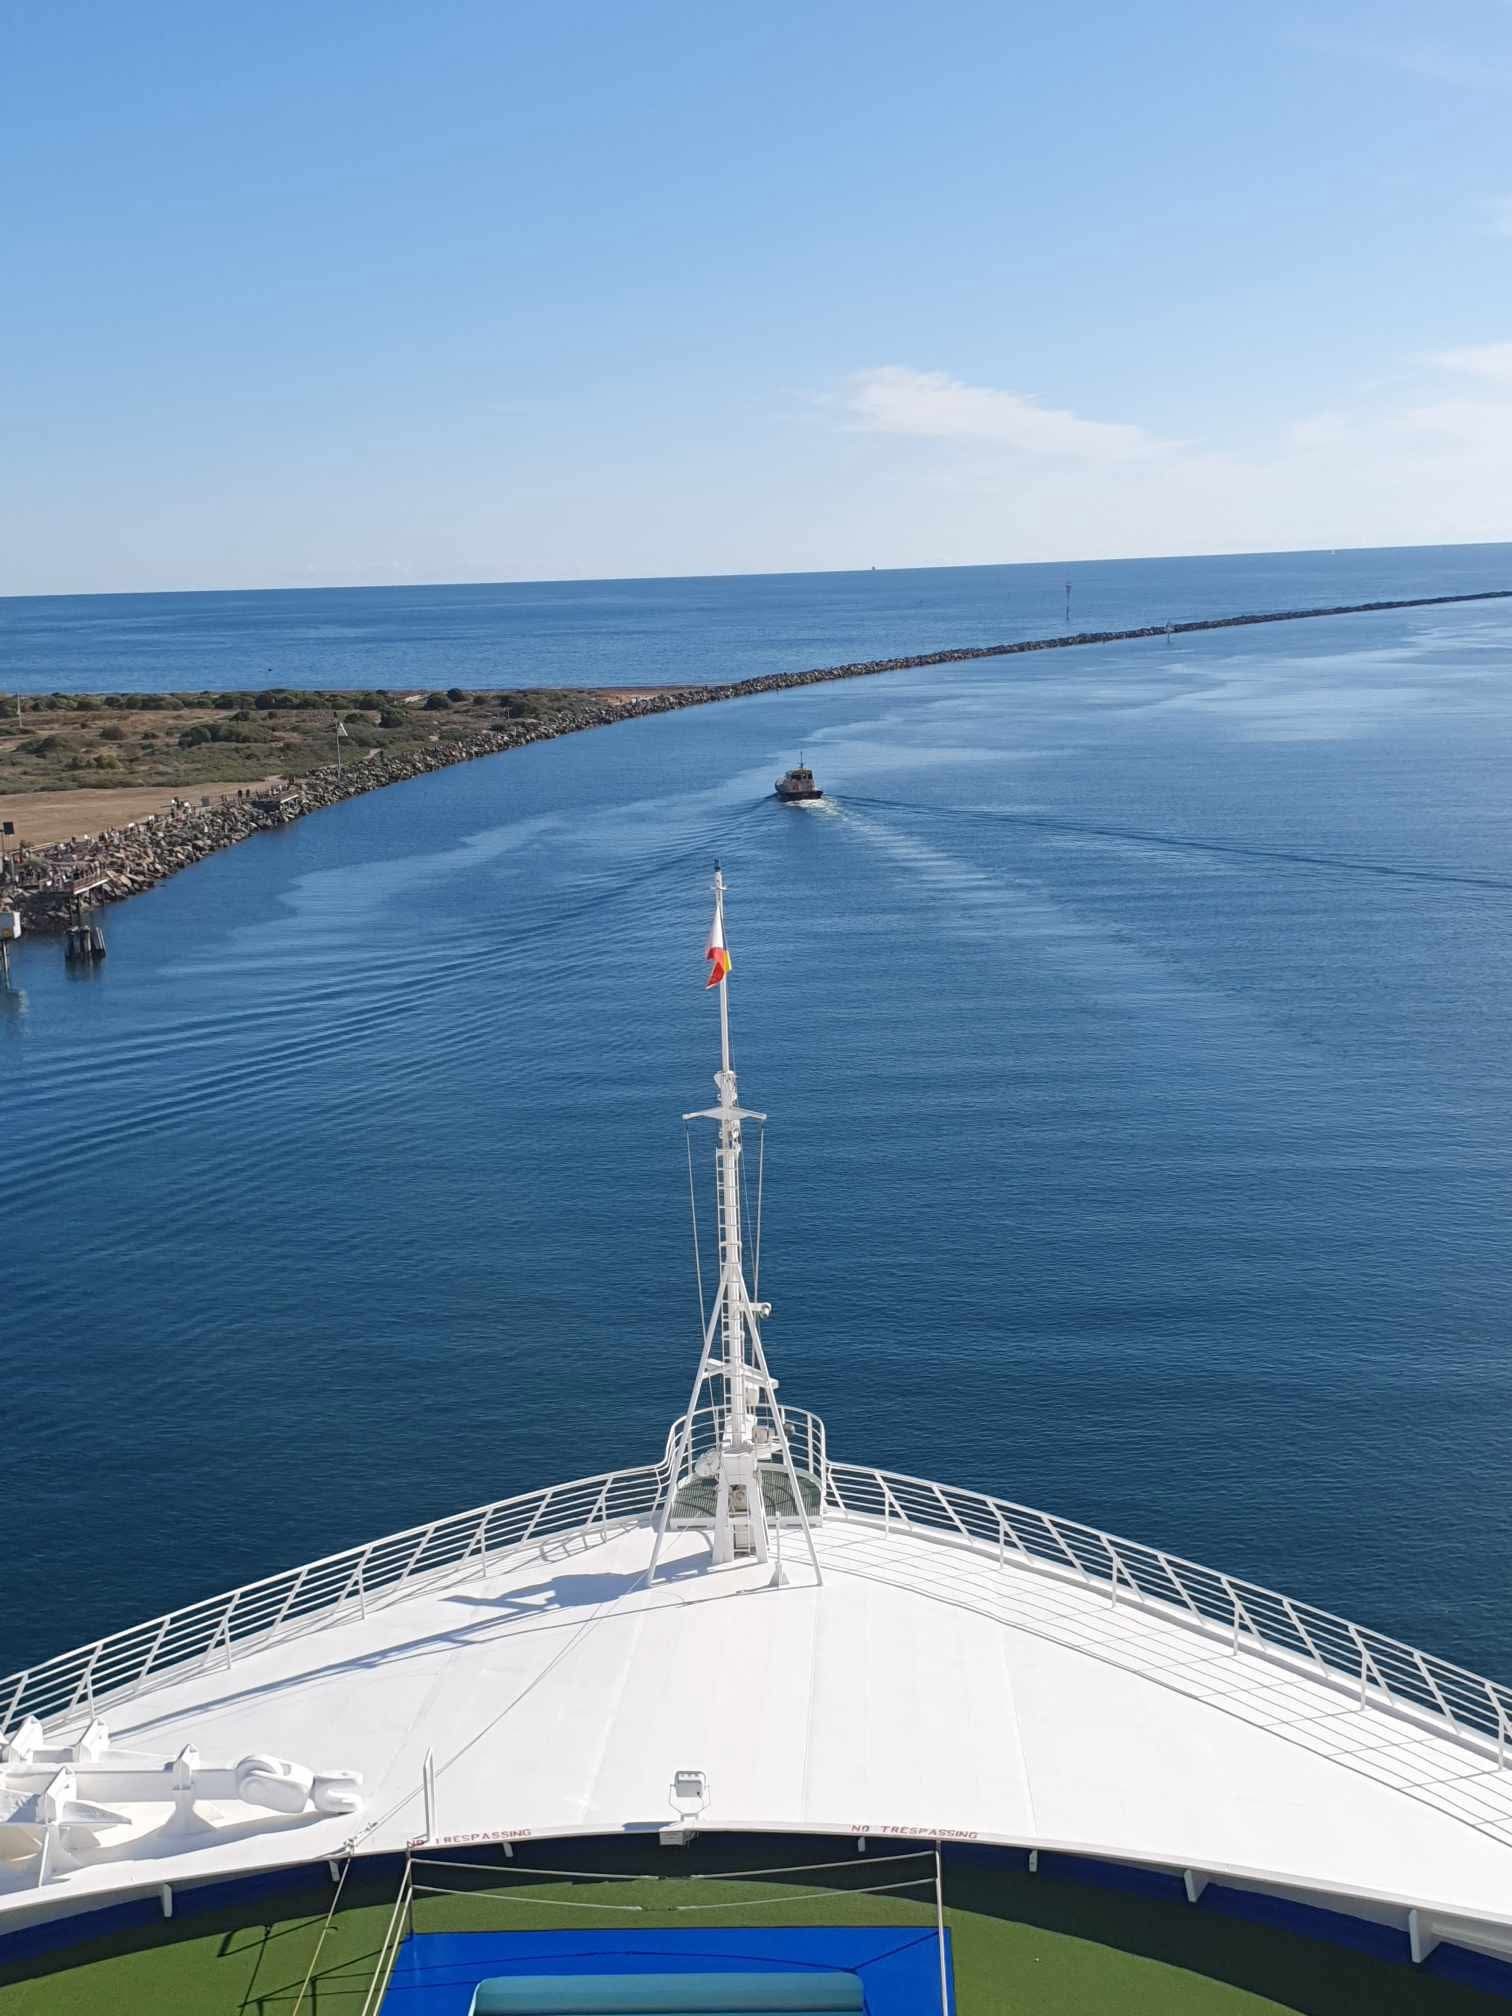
[[228, 738]]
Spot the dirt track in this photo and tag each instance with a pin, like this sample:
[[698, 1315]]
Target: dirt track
[[42, 817]]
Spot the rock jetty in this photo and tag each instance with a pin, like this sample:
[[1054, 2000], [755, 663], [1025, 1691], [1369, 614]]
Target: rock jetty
[[43, 883]]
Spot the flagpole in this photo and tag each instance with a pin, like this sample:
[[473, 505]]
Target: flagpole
[[729, 1176], [724, 981]]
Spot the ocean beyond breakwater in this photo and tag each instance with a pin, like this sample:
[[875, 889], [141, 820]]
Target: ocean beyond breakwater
[[126, 861]]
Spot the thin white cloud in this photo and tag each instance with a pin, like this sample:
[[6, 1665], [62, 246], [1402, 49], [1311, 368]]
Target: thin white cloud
[[1419, 454], [931, 405], [1479, 360], [1475, 430]]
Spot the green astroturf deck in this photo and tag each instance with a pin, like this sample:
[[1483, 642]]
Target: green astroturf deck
[[1024, 1946]]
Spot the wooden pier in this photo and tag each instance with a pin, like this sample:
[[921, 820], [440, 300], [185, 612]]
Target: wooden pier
[[85, 944]]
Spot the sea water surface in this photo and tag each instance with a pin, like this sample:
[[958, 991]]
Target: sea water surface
[[1134, 1025], [662, 633]]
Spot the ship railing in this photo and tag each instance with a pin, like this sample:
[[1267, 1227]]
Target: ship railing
[[804, 1431], [220, 1630], [217, 1632], [1375, 1670], [1378, 1671]]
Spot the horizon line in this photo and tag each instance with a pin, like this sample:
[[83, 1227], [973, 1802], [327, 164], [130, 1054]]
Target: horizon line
[[735, 574]]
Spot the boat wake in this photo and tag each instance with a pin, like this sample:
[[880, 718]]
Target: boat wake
[[1281, 856]]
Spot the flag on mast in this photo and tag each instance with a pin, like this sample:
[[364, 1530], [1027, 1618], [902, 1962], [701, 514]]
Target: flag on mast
[[717, 956]]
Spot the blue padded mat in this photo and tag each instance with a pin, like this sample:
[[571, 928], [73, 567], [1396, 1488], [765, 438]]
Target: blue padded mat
[[439, 1973]]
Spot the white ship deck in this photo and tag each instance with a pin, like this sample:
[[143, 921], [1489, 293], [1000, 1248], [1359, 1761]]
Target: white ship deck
[[928, 1688], [938, 1663]]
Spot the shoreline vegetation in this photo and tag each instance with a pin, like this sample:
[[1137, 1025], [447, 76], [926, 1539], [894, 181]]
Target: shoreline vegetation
[[272, 756]]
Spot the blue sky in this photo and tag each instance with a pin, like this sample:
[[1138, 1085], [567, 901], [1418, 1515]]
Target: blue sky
[[491, 292]]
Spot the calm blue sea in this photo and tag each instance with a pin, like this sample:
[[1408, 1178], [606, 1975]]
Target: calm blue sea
[[1135, 1023], [612, 633]]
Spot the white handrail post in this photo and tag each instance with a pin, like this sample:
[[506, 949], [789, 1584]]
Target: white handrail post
[[388, 1948], [535, 1517], [1060, 1540], [955, 1517], [1112, 1553], [1241, 1614], [146, 1665], [417, 1551], [86, 1683], [940, 1931], [220, 1629], [1302, 1631], [21, 1680], [294, 1588], [1433, 1687], [1178, 1585], [1380, 1678]]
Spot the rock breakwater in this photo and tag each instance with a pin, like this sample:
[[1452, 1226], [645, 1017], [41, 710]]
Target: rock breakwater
[[44, 883]]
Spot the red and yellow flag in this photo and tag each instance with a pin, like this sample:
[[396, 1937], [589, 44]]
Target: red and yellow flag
[[717, 956]]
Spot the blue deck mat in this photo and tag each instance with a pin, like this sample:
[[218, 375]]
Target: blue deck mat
[[438, 1973]]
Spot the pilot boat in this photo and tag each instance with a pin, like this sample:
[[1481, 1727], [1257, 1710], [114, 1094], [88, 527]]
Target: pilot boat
[[794, 786]]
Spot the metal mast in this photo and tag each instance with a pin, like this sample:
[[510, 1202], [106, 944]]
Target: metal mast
[[748, 1435]]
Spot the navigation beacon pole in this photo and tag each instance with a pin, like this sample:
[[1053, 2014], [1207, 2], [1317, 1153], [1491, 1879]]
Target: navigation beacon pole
[[743, 1437]]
